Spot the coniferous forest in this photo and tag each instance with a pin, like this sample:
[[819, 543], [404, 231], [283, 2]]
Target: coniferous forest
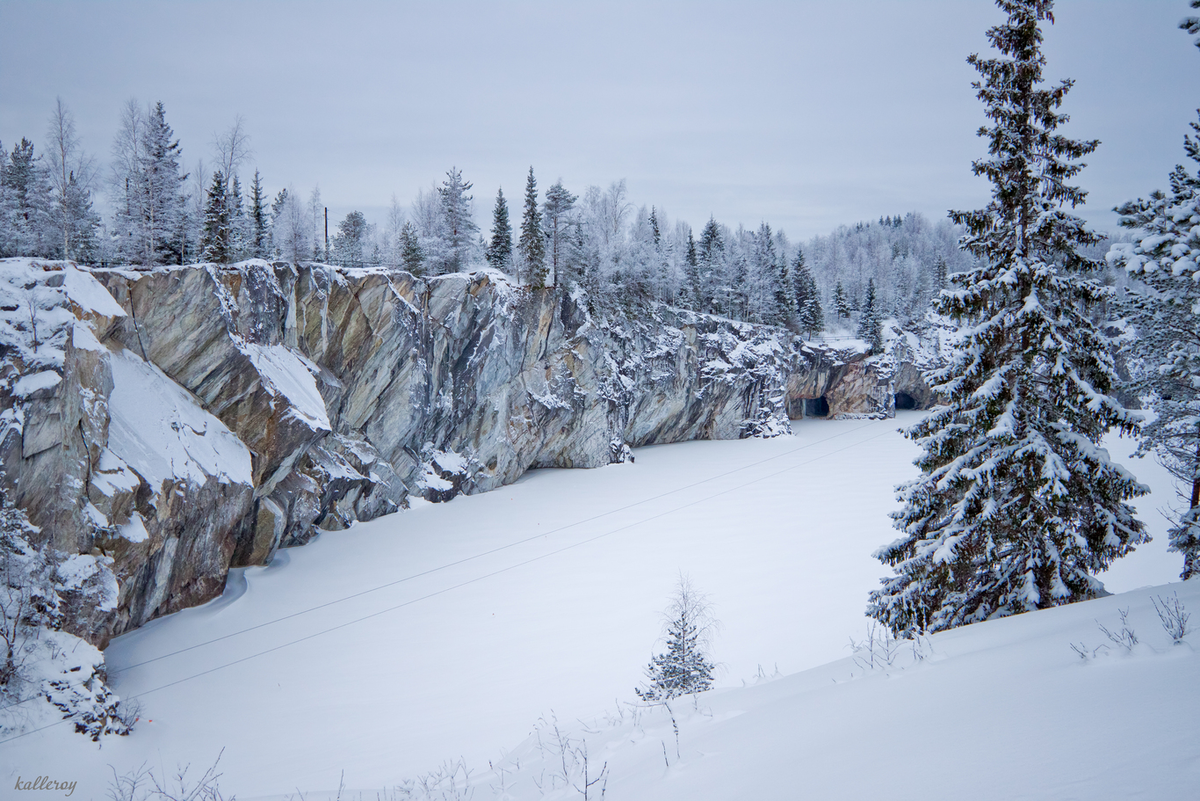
[[161, 212]]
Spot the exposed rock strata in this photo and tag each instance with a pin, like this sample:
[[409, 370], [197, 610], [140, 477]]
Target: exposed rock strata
[[290, 399]]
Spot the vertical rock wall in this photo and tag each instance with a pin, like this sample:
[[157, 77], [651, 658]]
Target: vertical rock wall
[[198, 418]]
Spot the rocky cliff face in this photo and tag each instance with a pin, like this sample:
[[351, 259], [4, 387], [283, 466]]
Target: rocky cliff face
[[179, 422]]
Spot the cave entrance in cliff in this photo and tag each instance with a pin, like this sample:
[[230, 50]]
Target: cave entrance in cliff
[[904, 401], [816, 407]]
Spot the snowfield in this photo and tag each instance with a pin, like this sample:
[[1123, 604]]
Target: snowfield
[[466, 631]]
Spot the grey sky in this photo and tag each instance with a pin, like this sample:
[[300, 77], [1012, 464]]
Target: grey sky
[[805, 114]]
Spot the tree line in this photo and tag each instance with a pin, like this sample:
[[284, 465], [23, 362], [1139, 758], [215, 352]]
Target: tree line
[[624, 255]]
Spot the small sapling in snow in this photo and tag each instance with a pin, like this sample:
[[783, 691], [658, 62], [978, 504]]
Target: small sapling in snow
[[685, 668]]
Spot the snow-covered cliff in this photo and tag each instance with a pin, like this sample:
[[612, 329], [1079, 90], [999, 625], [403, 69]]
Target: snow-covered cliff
[[185, 420]]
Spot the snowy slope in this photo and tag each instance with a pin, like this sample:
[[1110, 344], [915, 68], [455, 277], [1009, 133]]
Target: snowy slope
[[544, 596], [999, 710]]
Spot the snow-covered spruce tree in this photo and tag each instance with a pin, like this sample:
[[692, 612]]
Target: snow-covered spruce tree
[[1166, 312], [26, 222], [690, 291], [841, 306], [412, 258], [685, 667], [163, 187], [215, 244], [812, 316], [1017, 506], [499, 252], [785, 292], [710, 258], [260, 230], [532, 245], [870, 322]]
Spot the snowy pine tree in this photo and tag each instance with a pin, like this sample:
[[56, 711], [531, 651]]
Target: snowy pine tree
[[1017, 506], [532, 245], [499, 252], [163, 184], [215, 245], [841, 305], [810, 317], [1166, 311], [690, 291], [870, 322], [26, 224], [685, 667], [239, 222], [709, 258], [258, 243], [412, 258]]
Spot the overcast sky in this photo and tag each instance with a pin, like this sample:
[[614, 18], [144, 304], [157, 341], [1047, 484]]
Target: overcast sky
[[805, 114]]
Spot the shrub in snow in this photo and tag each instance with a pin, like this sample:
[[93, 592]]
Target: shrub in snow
[[1017, 507], [144, 784], [685, 667], [1173, 615], [1124, 637], [42, 592]]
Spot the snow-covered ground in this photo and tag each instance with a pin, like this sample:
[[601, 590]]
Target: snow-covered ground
[[449, 631]]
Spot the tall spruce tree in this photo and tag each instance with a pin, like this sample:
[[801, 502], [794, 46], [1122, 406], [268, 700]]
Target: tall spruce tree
[[215, 243], [259, 245], [499, 252], [412, 257], [799, 284], [841, 304], [785, 293], [532, 245], [710, 253], [239, 221], [162, 186], [1165, 308], [870, 322], [1017, 506], [691, 269], [26, 228], [812, 316]]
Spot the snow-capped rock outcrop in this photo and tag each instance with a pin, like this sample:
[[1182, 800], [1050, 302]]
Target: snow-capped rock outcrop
[[190, 419]]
